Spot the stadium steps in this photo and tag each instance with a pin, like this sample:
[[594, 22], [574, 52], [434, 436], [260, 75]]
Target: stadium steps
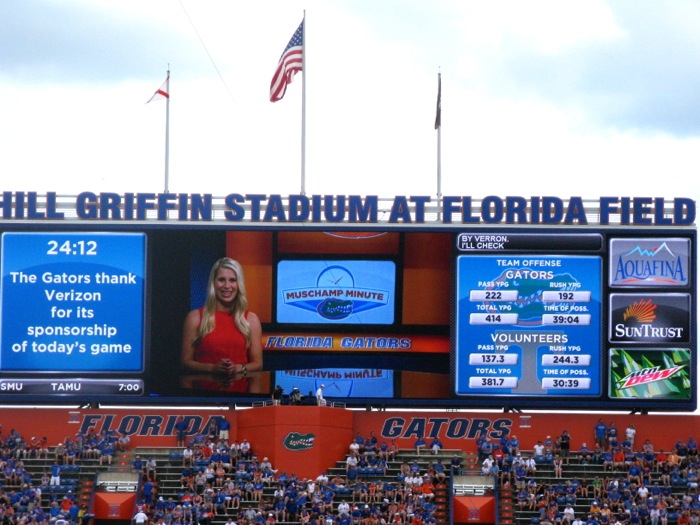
[[506, 506]]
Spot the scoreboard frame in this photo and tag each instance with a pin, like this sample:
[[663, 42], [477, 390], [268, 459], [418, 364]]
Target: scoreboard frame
[[645, 328]]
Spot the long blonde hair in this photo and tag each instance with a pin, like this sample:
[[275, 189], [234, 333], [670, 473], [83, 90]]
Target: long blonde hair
[[238, 309]]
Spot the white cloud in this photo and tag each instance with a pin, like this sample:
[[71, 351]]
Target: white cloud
[[534, 98]]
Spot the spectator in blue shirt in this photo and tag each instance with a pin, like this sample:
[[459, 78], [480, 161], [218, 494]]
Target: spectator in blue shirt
[[601, 433], [137, 465], [420, 445], [485, 450], [435, 445], [55, 474], [514, 444], [224, 426]]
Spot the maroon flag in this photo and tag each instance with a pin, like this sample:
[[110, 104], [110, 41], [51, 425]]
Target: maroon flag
[[438, 111]]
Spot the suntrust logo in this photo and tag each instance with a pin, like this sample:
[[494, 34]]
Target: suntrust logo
[[652, 318]]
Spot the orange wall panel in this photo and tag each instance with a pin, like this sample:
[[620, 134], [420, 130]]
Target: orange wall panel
[[474, 509], [267, 428], [253, 249], [110, 506], [426, 279], [282, 434], [423, 385]]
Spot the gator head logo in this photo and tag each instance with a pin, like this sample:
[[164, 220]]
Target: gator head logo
[[529, 305], [334, 308], [297, 441]]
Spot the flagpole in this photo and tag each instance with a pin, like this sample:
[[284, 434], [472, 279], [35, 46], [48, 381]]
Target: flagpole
[[303, 107], [167, 135]]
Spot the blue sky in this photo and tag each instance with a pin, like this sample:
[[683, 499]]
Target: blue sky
[[585, 98]]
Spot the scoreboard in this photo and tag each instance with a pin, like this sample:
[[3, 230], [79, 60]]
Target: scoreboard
[[600, 317], [403, 312]]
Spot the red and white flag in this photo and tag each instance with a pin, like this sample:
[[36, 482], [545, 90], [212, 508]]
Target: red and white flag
[[163, 91], [290, 63]]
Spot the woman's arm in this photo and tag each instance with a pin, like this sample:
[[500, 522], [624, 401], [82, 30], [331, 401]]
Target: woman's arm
[[255, 353]]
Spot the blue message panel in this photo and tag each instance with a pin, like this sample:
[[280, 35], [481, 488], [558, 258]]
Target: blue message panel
[[528, 325], [72, 302]]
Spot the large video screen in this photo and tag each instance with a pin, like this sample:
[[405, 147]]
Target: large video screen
[[443, 316]]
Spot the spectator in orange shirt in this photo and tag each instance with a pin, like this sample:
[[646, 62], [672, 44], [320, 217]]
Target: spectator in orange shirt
[[66, 503], [498, 455], [661, 460], [428, 489], [619, 459], [673, 460]]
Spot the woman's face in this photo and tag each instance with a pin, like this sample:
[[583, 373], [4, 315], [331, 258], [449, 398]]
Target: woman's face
[[225, 286]]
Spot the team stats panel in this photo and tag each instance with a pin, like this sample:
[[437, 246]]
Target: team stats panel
[[529, 324]]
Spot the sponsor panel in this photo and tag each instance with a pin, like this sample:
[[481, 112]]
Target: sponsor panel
[[650, 262], [650, 318], [650, 373]]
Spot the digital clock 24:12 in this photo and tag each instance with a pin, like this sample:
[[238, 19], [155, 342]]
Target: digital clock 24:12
[[71, 247]]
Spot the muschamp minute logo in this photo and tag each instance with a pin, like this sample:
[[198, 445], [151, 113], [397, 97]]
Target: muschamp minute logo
[[651, 318], [336, 292], [649, 262]]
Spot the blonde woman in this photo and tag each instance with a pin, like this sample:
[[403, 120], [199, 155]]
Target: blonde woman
[[223, 339]]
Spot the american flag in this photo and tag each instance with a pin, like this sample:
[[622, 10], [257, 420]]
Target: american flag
[[289, 64]]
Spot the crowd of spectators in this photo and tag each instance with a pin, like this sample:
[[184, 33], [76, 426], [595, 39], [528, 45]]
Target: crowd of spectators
[[222, 479], [21, 493], [628, 483], [633, 483]]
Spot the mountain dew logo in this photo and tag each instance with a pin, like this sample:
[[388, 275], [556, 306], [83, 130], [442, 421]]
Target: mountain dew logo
[[297, 441], [650, 373]]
